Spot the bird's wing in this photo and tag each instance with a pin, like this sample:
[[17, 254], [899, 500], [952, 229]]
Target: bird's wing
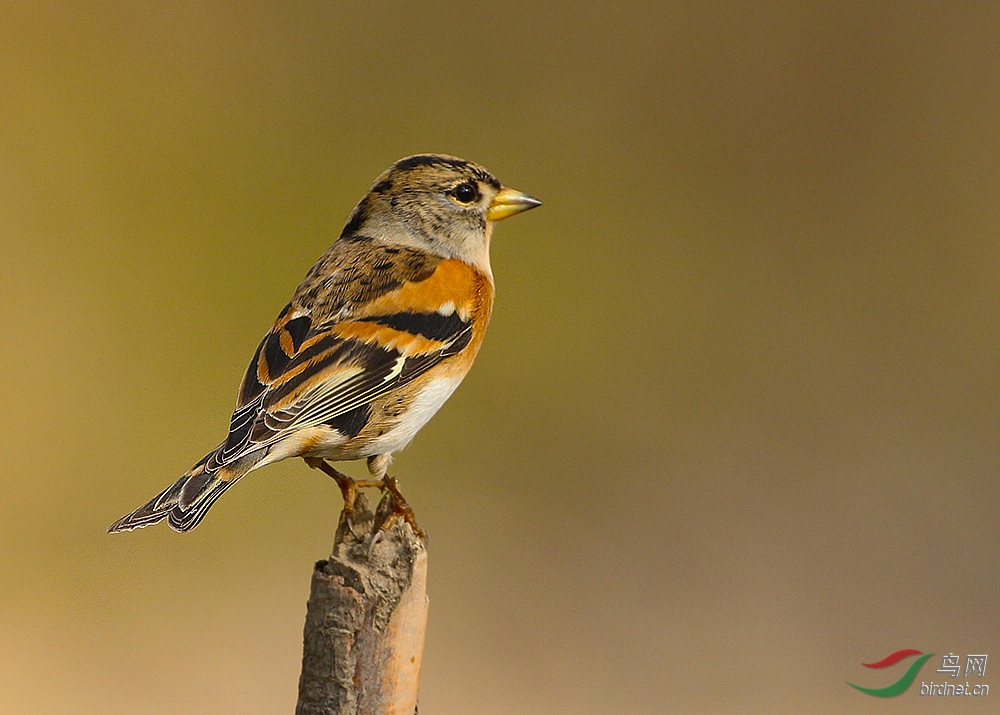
[[329, 353]]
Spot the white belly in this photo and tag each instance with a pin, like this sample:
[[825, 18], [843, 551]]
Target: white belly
[[423, 407]]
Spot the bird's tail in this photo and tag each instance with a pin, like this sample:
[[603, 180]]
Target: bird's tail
[[185, 503]]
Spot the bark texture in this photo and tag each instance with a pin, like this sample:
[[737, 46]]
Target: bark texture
[[365, 620]]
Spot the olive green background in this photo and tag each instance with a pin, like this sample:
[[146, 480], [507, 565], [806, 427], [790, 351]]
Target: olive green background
[[734, 429]]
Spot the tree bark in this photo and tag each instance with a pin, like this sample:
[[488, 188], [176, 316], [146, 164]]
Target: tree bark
[[366, 619]]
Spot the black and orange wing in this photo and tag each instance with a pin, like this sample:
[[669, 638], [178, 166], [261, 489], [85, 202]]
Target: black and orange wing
[[328, 354]]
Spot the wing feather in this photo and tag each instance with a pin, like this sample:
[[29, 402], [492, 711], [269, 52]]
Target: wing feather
[[324, 356]]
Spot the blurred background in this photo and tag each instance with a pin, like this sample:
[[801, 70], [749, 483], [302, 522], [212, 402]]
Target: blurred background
[[733, 432]]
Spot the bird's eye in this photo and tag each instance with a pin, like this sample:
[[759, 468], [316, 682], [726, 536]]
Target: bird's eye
[[465, 193]]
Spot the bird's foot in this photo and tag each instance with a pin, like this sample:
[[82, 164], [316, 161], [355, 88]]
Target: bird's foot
[[399, 508], [348, 486]]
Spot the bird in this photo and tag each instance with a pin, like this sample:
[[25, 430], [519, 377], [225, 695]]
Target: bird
[[376, 337]]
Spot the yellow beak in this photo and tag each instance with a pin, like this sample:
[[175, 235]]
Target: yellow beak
[[509, 202]]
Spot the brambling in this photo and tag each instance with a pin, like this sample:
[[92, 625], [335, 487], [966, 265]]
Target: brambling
[[376, 337]]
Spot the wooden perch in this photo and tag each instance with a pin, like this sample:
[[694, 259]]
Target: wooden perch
[[365, 620]]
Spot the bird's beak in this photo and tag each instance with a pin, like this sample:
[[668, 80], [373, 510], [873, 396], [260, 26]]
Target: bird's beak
[[509, 202]]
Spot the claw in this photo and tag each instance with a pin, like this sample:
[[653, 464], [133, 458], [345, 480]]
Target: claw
[[349, 487], [400, 508]]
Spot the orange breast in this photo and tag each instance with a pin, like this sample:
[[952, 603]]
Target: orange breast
[[452, 283]]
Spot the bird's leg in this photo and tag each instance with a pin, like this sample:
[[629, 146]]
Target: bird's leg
[[378, 465], [400, 507], [348, 486]]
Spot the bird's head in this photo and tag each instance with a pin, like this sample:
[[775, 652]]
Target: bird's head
[[438, 203]]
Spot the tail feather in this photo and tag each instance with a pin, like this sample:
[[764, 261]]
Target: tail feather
[[184, 503], [186, 518]]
